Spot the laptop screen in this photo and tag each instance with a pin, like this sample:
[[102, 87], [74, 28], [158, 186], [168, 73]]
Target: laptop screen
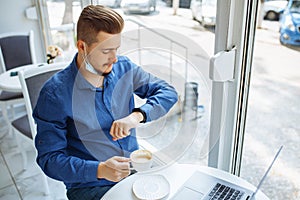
[[266, 173]]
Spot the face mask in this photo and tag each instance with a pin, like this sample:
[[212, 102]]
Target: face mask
[[88, 66]]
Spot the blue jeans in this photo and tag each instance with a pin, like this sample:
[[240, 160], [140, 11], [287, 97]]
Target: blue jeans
[[87, 193]]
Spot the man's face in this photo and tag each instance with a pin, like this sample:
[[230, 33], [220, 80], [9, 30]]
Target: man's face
[[103, 54]]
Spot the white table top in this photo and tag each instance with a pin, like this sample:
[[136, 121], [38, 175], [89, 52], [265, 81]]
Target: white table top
[[176, 174], [11, 83]]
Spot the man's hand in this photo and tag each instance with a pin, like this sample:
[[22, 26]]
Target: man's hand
[[121, 128], [114, 169]]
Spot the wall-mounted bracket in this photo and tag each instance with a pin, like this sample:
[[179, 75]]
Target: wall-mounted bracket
[[31, 13], [222, 66]]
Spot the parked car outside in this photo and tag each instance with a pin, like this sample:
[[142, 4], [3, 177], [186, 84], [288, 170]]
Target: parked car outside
[[138, 6], [290, 24], [273, 9], [204, 11], [110, 3]]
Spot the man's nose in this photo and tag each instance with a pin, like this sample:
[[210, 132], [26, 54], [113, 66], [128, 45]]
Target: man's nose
[[113, 55]]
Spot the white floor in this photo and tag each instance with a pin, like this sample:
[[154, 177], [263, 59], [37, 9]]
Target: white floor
[[17, 183]]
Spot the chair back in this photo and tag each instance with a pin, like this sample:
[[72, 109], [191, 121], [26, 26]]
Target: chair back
[[32, 80], [16, 49]]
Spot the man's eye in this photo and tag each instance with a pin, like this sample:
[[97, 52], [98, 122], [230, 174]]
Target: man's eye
[[105, 51]]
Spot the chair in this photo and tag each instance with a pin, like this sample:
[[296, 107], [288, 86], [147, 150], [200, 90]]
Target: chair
[[32, 80], [16, 49]]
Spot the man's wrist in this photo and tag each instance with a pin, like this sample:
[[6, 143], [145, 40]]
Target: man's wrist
[[99, 170], [143, 114]]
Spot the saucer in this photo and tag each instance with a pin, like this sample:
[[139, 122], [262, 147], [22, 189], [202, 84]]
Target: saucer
[[152, 187]]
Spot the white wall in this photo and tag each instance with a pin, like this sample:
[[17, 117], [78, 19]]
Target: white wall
[[13, 19]]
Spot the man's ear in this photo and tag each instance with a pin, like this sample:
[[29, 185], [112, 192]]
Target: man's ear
[[80, 46]]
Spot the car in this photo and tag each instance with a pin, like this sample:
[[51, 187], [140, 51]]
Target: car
[[290, 24], [138, 6], [110, 3], [273, 9], [204, 11]]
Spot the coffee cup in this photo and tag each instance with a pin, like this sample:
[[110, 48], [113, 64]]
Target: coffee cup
[[141, 160]]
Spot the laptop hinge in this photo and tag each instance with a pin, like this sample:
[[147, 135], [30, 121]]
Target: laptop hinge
[[222, 66]]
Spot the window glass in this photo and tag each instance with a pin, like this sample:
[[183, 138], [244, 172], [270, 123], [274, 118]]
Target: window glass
[[272, 112], [176, 48], [62, 16]]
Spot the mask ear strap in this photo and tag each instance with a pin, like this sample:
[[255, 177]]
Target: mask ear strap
[[85, 53], [85, 59], [88, 65]]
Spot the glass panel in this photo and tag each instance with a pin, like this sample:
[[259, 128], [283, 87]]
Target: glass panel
[[176, 48], [62, 16], [273, 113], [181, 65]]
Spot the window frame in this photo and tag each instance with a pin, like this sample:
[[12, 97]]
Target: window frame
[[235, 28]]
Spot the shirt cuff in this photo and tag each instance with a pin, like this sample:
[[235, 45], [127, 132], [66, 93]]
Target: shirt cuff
[[91, 170]]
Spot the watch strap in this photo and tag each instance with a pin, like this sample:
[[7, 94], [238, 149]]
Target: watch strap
[[143, 113]]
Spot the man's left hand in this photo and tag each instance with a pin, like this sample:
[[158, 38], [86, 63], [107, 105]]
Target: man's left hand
[[121, 127]]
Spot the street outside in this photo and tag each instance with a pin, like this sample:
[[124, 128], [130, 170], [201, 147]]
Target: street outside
[[273, 115]]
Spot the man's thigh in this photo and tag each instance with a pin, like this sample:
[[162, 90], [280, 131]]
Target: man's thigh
[[87, 193]]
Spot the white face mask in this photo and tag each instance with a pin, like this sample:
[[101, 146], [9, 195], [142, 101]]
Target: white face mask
[[88, 66]]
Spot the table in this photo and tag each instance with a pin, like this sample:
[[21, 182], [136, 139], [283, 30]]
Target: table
[[11, 83], [176, 174]]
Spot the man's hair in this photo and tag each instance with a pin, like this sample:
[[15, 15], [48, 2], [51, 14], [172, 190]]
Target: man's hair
[[96, 18]]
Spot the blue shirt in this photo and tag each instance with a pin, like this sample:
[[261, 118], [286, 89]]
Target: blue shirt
[[74, 118]]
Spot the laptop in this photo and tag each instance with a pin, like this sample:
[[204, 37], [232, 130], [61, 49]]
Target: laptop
[[202, 186]]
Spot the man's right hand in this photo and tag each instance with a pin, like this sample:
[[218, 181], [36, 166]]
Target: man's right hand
[[114, 169]]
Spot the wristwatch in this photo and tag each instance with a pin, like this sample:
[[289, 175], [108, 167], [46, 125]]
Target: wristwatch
[[143, 113]]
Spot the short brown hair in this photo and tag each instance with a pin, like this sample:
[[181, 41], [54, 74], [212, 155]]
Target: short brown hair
[[96, 18]]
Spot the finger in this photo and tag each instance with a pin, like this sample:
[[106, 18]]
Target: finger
[[122, 168], [123, 163], [113, 163], [125, 173], [121, 159], [123, 133], [125, 166], [112, 132], [121, 175], [115, 131], [120, 132], [117, 176]]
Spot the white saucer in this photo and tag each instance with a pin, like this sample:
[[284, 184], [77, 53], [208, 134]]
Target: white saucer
[[151, 187]]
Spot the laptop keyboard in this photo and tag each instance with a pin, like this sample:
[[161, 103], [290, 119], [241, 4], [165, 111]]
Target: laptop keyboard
[[223, 192]]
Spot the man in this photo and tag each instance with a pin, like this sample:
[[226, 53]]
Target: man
[[85, 114]]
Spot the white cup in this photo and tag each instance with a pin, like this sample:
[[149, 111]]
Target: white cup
[[141, 160]]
